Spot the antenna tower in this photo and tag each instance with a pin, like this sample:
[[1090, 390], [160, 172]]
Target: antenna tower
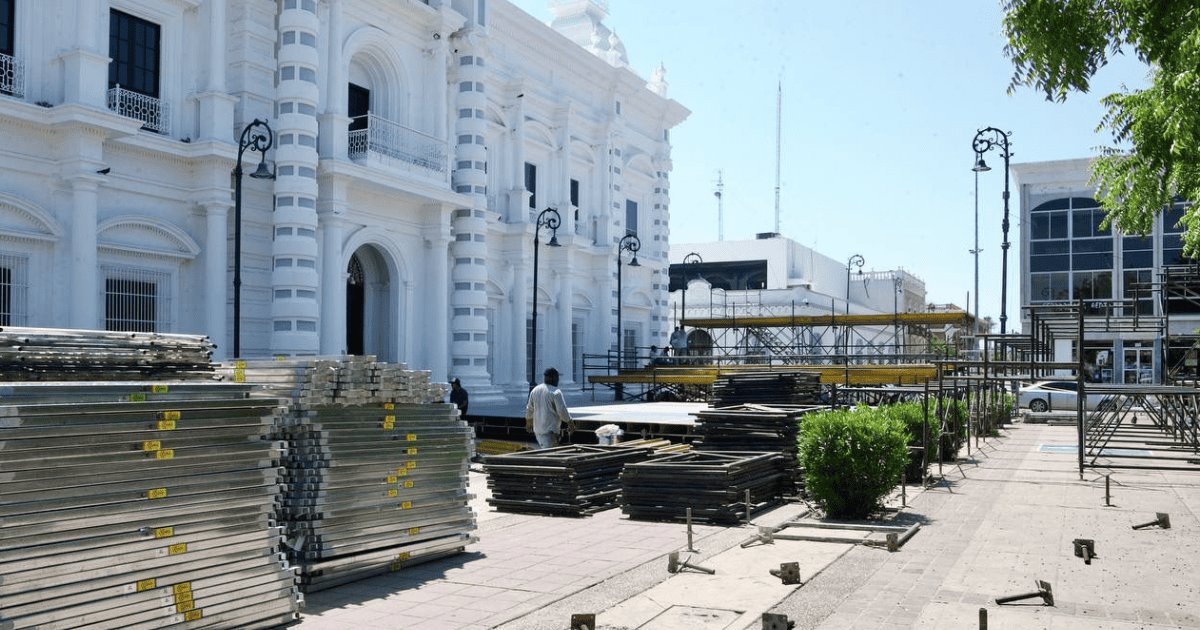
[[720, 195]]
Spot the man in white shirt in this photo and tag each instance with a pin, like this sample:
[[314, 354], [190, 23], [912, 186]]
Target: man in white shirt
[[546, 411]]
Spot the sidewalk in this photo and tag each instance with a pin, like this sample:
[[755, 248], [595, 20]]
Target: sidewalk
[[1001, 520]]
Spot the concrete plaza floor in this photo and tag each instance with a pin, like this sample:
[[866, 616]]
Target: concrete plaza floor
[[1002, 518]]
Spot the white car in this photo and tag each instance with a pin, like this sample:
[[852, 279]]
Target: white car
[[1056, 396]]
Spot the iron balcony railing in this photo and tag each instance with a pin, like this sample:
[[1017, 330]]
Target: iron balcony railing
[[393, 140], [12, 76], [153, 112]]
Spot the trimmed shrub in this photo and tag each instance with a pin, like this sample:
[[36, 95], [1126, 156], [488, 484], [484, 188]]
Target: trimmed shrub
[[912, 415], [852, 459]]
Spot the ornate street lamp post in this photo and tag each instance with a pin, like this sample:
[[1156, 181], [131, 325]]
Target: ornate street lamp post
[[854, 261], [628, 243], [548, 218], [256, 136], [985, 140]]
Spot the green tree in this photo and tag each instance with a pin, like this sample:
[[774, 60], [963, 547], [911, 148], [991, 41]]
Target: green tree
[[1057, 46]]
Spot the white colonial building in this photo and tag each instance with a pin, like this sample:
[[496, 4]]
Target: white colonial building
[[414, 144]]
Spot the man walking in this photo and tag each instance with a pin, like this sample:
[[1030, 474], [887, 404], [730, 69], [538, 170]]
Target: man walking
[[546, 411]]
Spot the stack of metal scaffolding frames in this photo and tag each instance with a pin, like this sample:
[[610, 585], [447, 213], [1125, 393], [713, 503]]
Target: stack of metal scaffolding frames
[[140, 505], [375, 487], [714, 485], [376, 469], [767, 388], [53, 354], [754, 428], [574, 480]]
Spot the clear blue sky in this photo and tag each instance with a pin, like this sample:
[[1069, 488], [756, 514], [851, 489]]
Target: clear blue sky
[[881, 100]]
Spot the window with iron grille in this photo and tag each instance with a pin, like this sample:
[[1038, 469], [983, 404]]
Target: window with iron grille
[[133, 45], [14, 285], [136, 300]]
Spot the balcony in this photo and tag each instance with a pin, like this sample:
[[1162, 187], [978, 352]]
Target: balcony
[[12, 76], [398, 145], [153, 112]]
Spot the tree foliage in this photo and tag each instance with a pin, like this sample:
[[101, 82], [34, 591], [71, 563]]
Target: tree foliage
[[1057, 46]]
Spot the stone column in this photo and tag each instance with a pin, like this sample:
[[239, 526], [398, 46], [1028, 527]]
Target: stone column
[[333, 284], [520, 313], [436, 334], [216, 105], [85, 293], [216, 278]]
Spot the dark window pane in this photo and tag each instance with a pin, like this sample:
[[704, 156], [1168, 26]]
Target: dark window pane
[[5, 296], [1054, 204], [1171, 218], [1092, 261], [1049, 263], [1058, 225], [358, 105], [631, 217], [575, 193], [1137, 259], [531, 184], [6, 26], [1050, 247], [1092, 245], [1039, 226], [133, 45]]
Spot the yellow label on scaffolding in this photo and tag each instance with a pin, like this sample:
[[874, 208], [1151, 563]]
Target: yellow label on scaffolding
[[389, 418], [391, 479], [183, 588], [151, 445], [186, 607], [406, 505], [137, 397], [166, 453], [403, 556], [165, 425], [410, 464], [145, 585], [156, 493], [413, 531], [164, 532], [389, 424], [193, 615], [393, 492], [389, 405], [394, 566], [412, 450], [184, 596], [240, 364], [169, 415], [281, 357], [239, 375], [411, 437], [176, 549], [159, 389], [401, 472], [408, 483]]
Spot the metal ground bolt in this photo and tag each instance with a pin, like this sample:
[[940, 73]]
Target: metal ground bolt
[[1044, 591], [1162, 519]]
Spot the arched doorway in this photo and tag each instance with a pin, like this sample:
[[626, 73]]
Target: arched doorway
[[370, 309]]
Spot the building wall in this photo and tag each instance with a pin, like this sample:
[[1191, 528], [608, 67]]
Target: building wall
[[411, 239], [1066, 254]]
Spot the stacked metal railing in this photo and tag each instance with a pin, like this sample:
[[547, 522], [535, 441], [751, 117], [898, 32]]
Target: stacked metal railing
[[572, 480], [376, 469], [718, 487], [136, 504]]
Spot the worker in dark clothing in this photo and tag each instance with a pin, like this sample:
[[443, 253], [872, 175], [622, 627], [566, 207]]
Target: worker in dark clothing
[[458, 396]]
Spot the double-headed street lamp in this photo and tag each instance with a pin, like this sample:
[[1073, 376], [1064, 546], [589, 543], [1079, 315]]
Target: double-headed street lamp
[[985, 140], [854, 261], [628, 243], [256, 136], [689, 262], [548, 218]]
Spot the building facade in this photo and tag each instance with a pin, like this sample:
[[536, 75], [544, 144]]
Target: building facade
[[414, 144], [775, 276], [1068, 254]]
